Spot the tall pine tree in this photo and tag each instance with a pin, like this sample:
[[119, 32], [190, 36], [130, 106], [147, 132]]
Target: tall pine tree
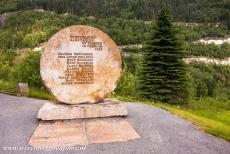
[[162, 74]]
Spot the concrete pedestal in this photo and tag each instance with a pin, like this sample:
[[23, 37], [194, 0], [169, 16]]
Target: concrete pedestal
[[51, 111], [71, 125]]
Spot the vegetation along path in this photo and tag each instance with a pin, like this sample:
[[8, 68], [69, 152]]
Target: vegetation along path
[[160, 131]]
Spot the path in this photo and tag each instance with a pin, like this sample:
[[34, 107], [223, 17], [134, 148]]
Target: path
[[161, 132]]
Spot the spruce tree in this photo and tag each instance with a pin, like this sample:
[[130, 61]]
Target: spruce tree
[[162, 73]]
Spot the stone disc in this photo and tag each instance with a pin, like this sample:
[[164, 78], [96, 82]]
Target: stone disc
[[80, 64]]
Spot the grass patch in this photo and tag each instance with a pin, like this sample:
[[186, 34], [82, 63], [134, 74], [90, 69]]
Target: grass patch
[[7, 87], [10, 88], [41, 94], [210, 115]]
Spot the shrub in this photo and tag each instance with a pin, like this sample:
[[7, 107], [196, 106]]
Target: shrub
[[27, 70], [127, 83], [4, 71]]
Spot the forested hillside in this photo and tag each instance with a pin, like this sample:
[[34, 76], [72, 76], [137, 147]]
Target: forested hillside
[[25, 29], [183, 10]]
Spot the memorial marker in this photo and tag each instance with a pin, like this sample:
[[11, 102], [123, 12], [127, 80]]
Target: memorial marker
[[81, 65]]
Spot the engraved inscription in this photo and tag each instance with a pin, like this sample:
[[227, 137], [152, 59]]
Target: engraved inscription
[[79, 68], [87, 41]]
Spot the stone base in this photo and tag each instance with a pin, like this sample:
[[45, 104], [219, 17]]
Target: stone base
[[64, 133], [51, 111]]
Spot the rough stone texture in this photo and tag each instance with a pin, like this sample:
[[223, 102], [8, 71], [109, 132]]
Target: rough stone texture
[[51, 111], [75, 88], [82, 132], [22, 89]]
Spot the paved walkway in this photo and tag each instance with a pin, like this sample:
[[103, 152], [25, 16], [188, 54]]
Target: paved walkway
[[161, 132]]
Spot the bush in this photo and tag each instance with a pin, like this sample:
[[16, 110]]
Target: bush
[[127, 84], [132, 49], [4, 71], [209, 50], [33, 39], [131, 62], [27, 70], [201, 89], [209, 81]]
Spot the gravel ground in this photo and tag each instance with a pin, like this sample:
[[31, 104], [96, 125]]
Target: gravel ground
[[160, 131]]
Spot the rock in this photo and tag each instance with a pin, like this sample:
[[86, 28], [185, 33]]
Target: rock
[[51, 111], [109, 130], [22, 89], [58, 134], [67, 133], [80, 64]]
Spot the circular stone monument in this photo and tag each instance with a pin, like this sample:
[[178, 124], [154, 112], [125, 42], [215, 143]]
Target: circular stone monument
[[80, 64]]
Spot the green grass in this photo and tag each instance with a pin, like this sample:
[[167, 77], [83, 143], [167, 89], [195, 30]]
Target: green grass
[[7, 87], [41, 94], [10, 88], [208, 114]]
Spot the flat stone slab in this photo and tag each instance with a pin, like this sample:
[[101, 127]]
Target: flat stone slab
[[67, 133], [109, 130], [52, 111], [58, 134]]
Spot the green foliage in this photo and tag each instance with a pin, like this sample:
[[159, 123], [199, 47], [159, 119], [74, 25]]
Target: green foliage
[[131, 62], [127, 84], [163, 72], [201, 89], [7, 87], [8, 5], [203, 80], [34, 39], [210, 81], [4, 71], [31, 28], [187, 11], [27, 70], [6, 62], [7, 57], [132, 49], [195, 31], [209, 50], [41, 94]]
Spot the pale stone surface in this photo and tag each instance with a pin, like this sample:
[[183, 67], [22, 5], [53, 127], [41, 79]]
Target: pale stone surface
[[51, 111], [82, 132], [22, 89], [80, 64], [109, 130], [58, 134]]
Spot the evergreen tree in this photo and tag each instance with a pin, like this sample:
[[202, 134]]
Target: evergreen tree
[[163, 72]]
